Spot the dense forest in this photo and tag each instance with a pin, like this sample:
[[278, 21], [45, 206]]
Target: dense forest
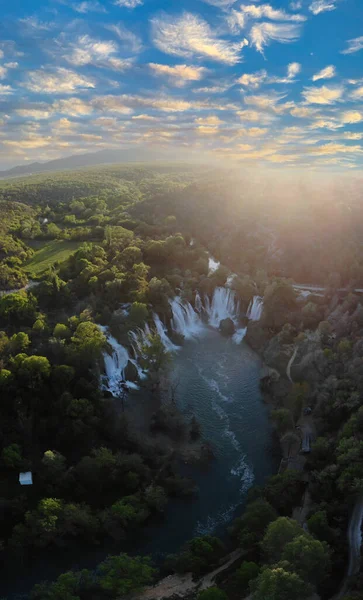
[[76, 248]]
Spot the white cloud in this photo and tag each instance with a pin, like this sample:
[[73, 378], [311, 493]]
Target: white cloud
[[73, 107], [354, 45], [236, 21], [254, 116], [11, 65], [326, 73], [88, 6], [323, 95], [319, 6], [293, 69], [212, 120], [264, 101], [32, 24], [99, 53], [57, 81], [351, 117], [6, 90], [220, 3], [3, 72], [253, 80], [357, 94], [333, 148], [303, 112], [189, 36], [130, 41], [264, 33], [128, 3], [268, 12], [296, 5], [179, 74], [34, 113], [144, 118]]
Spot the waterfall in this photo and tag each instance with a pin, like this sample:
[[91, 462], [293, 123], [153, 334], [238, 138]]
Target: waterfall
[[224, 305], [255, 309], [162, 331], [198, 303], [116, 363], [188, 322], [213, 265], [185, 320], [239, 335]]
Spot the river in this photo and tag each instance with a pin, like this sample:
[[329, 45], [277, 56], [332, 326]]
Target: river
[[218, 383]]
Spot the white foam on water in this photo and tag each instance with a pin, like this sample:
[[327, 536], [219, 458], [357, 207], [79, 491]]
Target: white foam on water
[[245, 473], [223, 516]]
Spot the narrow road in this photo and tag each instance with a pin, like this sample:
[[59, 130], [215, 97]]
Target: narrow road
[[317, 288], [355, 543], [288, 368]]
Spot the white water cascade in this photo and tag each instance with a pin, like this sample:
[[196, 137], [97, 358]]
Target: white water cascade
[[192, 322], [255, 309], [116, 363], [162, 331], [224, 306], [186, 321], [213, 265]]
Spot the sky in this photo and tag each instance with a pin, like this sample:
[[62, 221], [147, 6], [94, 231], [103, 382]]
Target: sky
[[263, 84]]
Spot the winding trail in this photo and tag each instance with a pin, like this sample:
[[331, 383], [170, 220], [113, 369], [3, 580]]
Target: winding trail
[[184, 585], [288, 368], [355, 543]]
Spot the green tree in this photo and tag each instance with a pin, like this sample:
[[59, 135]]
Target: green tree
[[11, 457], [138, 313], [68, 586], [278, 534], [277, 584], [19, 342], [18, 309], [318, 525], [308, 557], [61, 332], [89, 341], [121, 575], [245, 574], [251, 527], [212, 593]]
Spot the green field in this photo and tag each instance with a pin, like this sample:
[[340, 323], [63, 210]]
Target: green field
[[46, 254]]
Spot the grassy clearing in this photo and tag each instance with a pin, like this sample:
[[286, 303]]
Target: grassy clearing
[[47, 253]]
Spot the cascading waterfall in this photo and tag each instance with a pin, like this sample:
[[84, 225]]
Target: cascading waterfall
[[162, 331], [191, 323], [224, 306], [185, 320], [255, 309], [213, 265], [116, 363]]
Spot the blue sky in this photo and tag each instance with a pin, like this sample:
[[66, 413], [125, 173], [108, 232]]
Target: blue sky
[[253, 82]]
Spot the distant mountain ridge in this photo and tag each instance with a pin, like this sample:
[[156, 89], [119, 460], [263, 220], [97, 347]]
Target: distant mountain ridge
[[92, 159]]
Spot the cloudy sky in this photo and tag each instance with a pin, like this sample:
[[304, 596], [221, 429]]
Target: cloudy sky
[[270, 84]]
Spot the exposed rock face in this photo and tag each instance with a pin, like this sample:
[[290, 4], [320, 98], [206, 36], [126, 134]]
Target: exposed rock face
[[131, 372], [227, 327]]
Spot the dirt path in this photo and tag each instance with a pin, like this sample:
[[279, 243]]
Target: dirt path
[[183, 585], [288, 369]]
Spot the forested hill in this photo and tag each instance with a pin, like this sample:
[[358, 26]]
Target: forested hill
[[310, 232], [112, 247]]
